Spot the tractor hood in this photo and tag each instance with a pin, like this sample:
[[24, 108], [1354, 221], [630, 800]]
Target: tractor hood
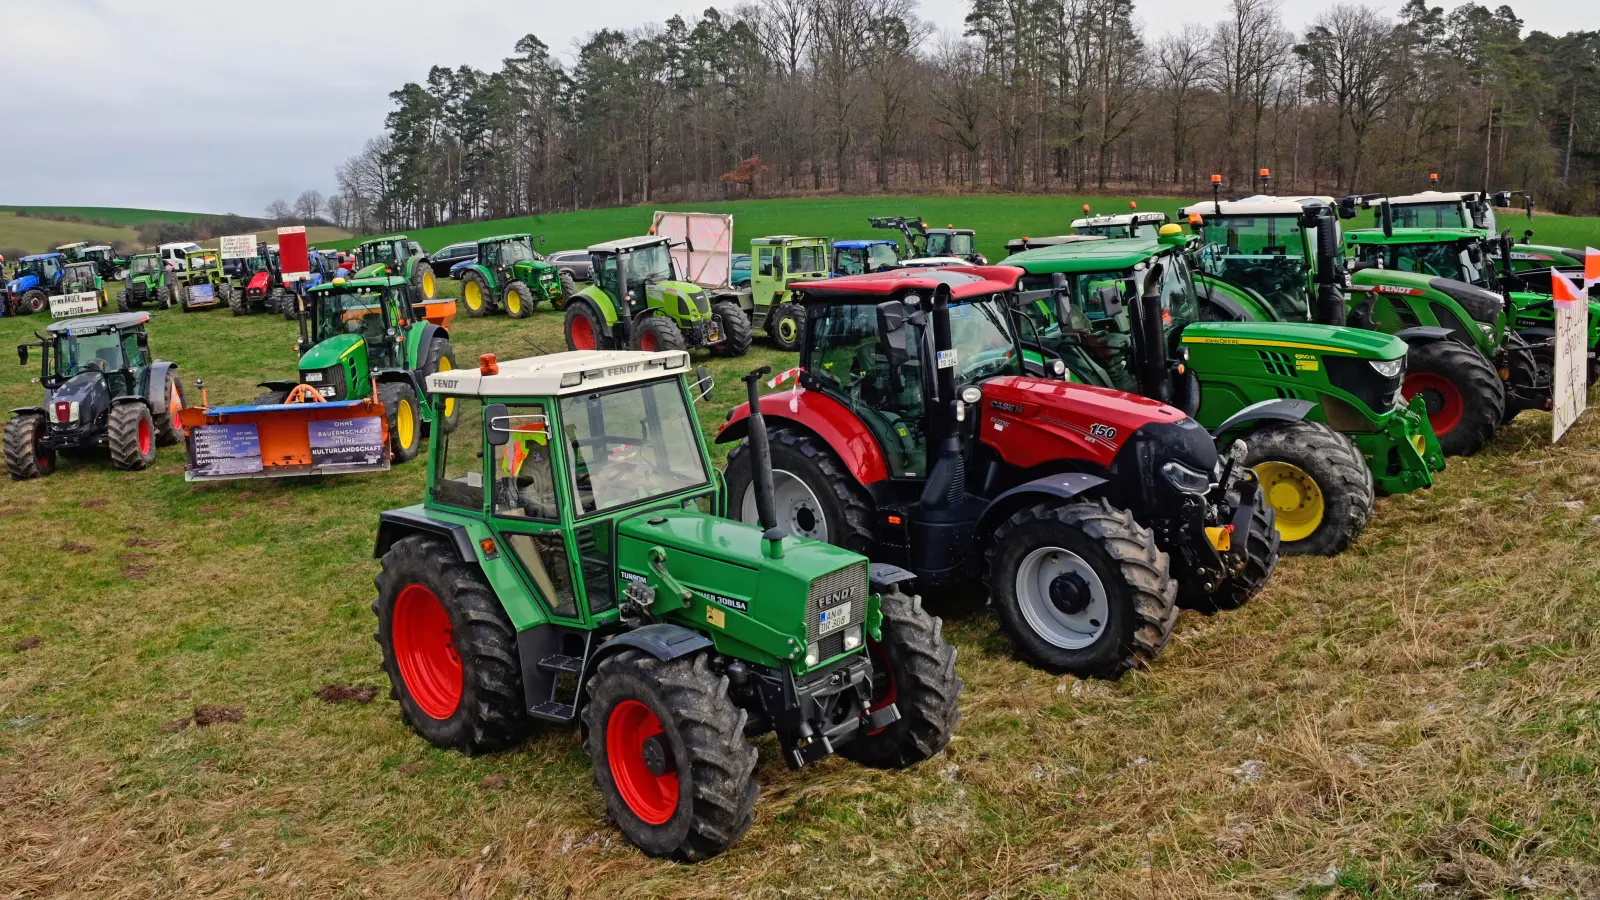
[[1480, 303], [692, 302], [1031, 422], [25, 283], [79, 387], [1292, 337], [331, 351]]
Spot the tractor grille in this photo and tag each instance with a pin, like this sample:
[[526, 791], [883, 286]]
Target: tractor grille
[[832, 645], [332, 377], [1358, 377], [848, 585], [1278, 364]]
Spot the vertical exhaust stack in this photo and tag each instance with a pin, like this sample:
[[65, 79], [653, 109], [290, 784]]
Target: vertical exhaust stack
[[1152, 343], [761, 463], [1330, 308], [946, 487]]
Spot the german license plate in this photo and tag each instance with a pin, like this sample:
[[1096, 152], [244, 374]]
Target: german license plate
[[831, 620]]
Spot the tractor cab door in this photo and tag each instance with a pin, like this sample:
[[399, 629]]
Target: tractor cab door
[[767, 278], [50, 270], [605, 276], [849, 360], [135, 361]]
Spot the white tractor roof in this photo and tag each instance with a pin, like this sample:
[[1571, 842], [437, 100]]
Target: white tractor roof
[[1428, 197], [543, 376], [929, 262], [1120, 219], [99, 247], [622, 244], [73, 244], [1252, 206]]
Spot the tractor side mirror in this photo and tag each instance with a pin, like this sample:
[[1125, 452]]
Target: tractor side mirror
[[892, 331], [22, 353], [1058, 286], [1347, 208], [703, 383], [1527, 236], [541, 240], [496, 415], [1110, 300]]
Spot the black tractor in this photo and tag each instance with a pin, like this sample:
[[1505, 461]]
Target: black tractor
[[102, 389]]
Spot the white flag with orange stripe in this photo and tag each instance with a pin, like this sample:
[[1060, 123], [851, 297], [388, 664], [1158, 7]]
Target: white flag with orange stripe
[[1571, 388]]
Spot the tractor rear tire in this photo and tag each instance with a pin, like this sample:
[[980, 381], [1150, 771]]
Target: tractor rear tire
[[131, 435], [569, 289], [1261, 557], [656, 333], [678, 716], [1136, 594], [584, 328], [442, 358], [1465, 398], [225, 292], [404, 413], [915, 669], [183, 299], [518, 300], [1317, 483], [124, 302], [169, 430], [817, 496], [452, 661], [474, 289], [786, 326], [276, 300], [736, 335], [25, 459], [33, 301]]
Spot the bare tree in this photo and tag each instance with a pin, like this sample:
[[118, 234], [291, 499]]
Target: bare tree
[[958, 102], [1180, 61], [279, 211], [1249, 50], [1350, 57], [308, 206]]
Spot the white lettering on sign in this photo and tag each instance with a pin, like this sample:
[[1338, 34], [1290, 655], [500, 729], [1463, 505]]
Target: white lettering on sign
[[1571, 388]]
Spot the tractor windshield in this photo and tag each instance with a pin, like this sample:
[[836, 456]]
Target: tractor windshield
[[631, 444], [97, 253], [34, 267], [381, 252], [1458, 260], [347, 312], [653, 263], [198, 262], [945, 243], [984, 341], [145, 265], [880, 257], [1089, 328], [1450, 214], [1265, 254], [516, 250], [807, 259], [99, 351]]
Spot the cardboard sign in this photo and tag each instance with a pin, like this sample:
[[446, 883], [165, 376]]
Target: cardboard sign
[[64, 305], [204, 294], [347, 443], [224, 450], [702, 245], [294, 260], [238, 246], [1571, 389]]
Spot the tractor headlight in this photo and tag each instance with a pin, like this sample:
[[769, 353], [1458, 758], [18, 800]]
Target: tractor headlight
[[1389, 368], [971, 394], [852, 638], [1486, 328], [1190, 481], [813, 655]]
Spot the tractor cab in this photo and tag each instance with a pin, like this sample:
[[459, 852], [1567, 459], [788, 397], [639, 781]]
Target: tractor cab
[[145, 281], [79, 276], [396, 255], [73, 251], [1264, 247], [862, 257], [778, 260], [374, 310], [113, 347], [145, 264], [1126, 225], [957, 242], [1454, 253]]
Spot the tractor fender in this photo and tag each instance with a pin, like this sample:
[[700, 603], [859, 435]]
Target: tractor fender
[[883, 575], [601, 301], [24, 410], [417, 353], [406, 376], [1423, 334], [158, 381], [662, 640], [399, 523], [1275, 410], [1233, 308], [484, 272], [1063, 486], [826, 419]]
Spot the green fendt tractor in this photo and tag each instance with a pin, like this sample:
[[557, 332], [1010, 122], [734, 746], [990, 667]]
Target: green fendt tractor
[[559, 569], [396, 256], [200, 283], [775, 263], [1475, 210], [1266, 258], [363, 335], [638, 300], [1317, 406], [146, 282], [511, 275]]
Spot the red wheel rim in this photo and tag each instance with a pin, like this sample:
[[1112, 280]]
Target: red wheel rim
[[647, 342], [582, 333], [651, 797], [425, 652], [1443, 398], [880, 663], [144, 437]]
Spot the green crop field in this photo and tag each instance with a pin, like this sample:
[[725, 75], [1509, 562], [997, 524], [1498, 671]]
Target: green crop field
[[43, 235], [118, 214], [1414, 719]]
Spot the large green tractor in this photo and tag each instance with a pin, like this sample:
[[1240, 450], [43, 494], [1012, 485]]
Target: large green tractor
[[396, 256], [560, 570], [510, 275], [1266, 259], [146, 282], [638, 300], [361, 336], [1317, 407], [775, 263], [1476, 210]]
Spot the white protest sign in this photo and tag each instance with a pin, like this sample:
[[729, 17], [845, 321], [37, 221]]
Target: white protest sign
[[77, 304], [1571, 388], [238, 246]]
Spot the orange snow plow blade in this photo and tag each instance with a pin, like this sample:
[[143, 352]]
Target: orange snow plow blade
[[301, 436]]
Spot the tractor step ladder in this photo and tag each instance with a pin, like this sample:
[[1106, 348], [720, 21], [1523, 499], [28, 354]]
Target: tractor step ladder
[[544, 664]]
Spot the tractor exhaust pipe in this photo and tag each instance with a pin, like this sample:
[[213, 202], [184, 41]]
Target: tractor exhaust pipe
[[1330, 277], [761, 466], [947, 474], [1152, 348]]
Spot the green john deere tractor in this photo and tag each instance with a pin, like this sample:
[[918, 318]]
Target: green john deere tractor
[[775, 263], [1266, 258], [1131, 224], [1317, 406], [396, 256], [146, 282], [510, 274], [560, 569], [200, 283], [362, 335], [638, 300]]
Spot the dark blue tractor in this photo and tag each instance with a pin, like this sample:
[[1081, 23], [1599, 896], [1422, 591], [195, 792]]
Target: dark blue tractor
[[861, 257], [36, 278]]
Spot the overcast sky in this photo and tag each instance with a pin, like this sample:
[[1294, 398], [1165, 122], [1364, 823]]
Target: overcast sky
[[226, 106]]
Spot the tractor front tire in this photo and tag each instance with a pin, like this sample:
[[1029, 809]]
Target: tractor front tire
[[1261, 557], [670, 755], [785, 326], [33, 301], [817, 497], [25, 459], [131, 435], [518, 300], [736, 335], [183, 299], [658, 333], [169, 430], [1463, 393], [584, 327], [448, 648], [569, 289], [422, 279], [124, 302], [1081, 588], [475, 295], [915, 669], [238, 303], [402, 410], [442, 358], [225, 292], [270, 398], [1317, 483]]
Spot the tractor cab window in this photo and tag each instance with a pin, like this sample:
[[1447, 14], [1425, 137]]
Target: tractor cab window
[[851, 261], [100, 351], [145, 265], [348, 312], [984, 340], [845, 355], [1179, 304], [132, 352], [519, 250], [52, 267], [524, 474], [1461, 262], [631, 444], [34, 267], [764, 260], [458, 465], [605, 274], [489, 254], [379, 253], [949, 244], [1430, 215], [807, 259], [880, 257], [646, 264], [1265, 254], [1095, 343]]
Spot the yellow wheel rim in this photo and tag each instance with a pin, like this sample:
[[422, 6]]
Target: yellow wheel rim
[[405, 424], [473, 295], [513, 303], [1294, 496], [786, 329], [449, 401], [427, 283]]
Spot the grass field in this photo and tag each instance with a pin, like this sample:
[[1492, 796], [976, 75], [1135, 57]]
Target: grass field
[[43, 235], [118, 214], [1416, 718]]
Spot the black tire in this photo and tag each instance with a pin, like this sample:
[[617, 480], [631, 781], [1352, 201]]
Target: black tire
[[131, 435], [518, 301], [569, 289], [25, 459], [1462, 386], [490, 714], [786, 326], [591, 324], [1261, 557], [169, 430], [702, 732], [168, 296], [183, 299], [486, 296], [124, 302], [33, 301], [1139, 593], [422, 279], [916, 665], [736, 334], [1529, 367], [226, 293], [396, 395], [1330, 462], [658, 333], [442, 349], [277, 298], [844, 507], [271, 398], [238, 303]]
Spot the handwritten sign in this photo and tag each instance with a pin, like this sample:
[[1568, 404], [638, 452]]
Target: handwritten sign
[[347, 443], [64, 305], [224, 450], [1571, 388], [237, 246]]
